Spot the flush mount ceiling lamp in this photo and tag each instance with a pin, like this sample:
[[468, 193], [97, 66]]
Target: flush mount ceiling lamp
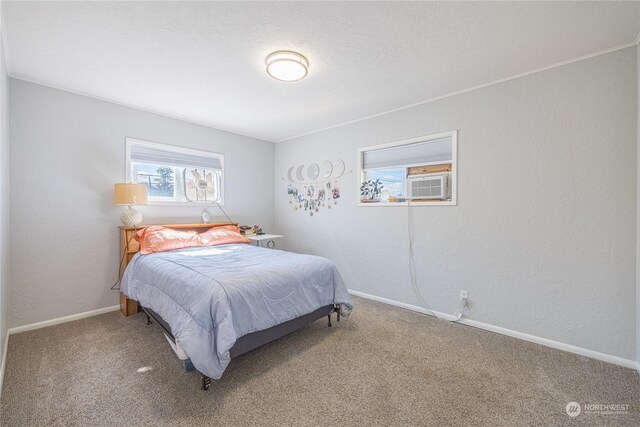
[[287, 66]]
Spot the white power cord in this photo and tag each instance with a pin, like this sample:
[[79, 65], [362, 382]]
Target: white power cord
[[412, 273]]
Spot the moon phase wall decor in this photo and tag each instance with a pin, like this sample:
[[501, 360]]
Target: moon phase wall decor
[[299, 172], [314, 173], [317, 188]]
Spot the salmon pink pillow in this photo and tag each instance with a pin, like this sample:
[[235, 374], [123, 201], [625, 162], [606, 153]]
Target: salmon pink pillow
[[222, 236], [155, 238]]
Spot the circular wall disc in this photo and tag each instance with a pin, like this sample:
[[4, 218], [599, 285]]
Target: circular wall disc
[[313, 171], [340, 168], [299, 173], [328, 169]]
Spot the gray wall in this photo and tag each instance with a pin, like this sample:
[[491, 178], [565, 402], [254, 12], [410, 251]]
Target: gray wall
[[68, 151], [544, 233], [4, 200], [638, 219]]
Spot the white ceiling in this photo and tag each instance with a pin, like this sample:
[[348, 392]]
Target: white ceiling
[[204, 61]]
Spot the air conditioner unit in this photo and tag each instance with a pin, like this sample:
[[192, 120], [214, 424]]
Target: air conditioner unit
[[433, 186]]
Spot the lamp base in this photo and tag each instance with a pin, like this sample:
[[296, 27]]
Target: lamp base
[[131, 217]]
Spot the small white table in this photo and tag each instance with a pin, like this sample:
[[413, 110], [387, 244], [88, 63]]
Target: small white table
[[269, 238]]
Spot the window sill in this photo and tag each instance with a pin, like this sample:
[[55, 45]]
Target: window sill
[[167, 203], [382, 204]]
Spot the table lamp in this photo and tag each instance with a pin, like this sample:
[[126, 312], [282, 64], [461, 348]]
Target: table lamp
[[130, 194]]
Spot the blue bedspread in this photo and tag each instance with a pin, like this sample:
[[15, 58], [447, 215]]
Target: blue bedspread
[[211, 296]]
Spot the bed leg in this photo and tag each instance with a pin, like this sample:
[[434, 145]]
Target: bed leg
[[338, 312], [329, 317], [148, 320], [206, 382]]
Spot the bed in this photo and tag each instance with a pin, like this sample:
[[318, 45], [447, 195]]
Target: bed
[[218, 302]]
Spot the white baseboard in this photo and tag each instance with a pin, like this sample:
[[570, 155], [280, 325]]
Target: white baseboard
[[511, 333], [59, 320], [4, 361]]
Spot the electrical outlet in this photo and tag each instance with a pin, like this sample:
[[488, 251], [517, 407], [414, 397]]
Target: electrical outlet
[[464, 295]]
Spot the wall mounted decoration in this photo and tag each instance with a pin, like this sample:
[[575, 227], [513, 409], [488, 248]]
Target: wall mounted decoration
[[313, 171], [317, 188], [328, 169]]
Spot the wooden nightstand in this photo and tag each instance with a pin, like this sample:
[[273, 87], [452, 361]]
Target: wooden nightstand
[[269, 238]]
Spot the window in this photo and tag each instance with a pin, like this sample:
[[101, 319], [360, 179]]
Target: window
[[392, 180], [175, 175], [420, 170]]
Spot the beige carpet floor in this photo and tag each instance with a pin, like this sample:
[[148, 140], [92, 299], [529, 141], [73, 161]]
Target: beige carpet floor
[[383, 366]]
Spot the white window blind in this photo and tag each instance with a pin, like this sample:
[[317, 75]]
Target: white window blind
[[142, 153], [414, 154]]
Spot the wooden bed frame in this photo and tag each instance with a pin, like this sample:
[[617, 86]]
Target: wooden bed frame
[[129, 247]]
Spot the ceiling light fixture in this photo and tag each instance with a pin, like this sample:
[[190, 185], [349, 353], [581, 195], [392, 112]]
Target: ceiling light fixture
[[287, 66]]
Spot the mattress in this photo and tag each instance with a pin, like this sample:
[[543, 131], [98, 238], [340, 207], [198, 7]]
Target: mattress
[[212, 296]]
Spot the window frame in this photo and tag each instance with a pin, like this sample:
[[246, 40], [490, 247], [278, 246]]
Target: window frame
[[177, 149], [454, 169]]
